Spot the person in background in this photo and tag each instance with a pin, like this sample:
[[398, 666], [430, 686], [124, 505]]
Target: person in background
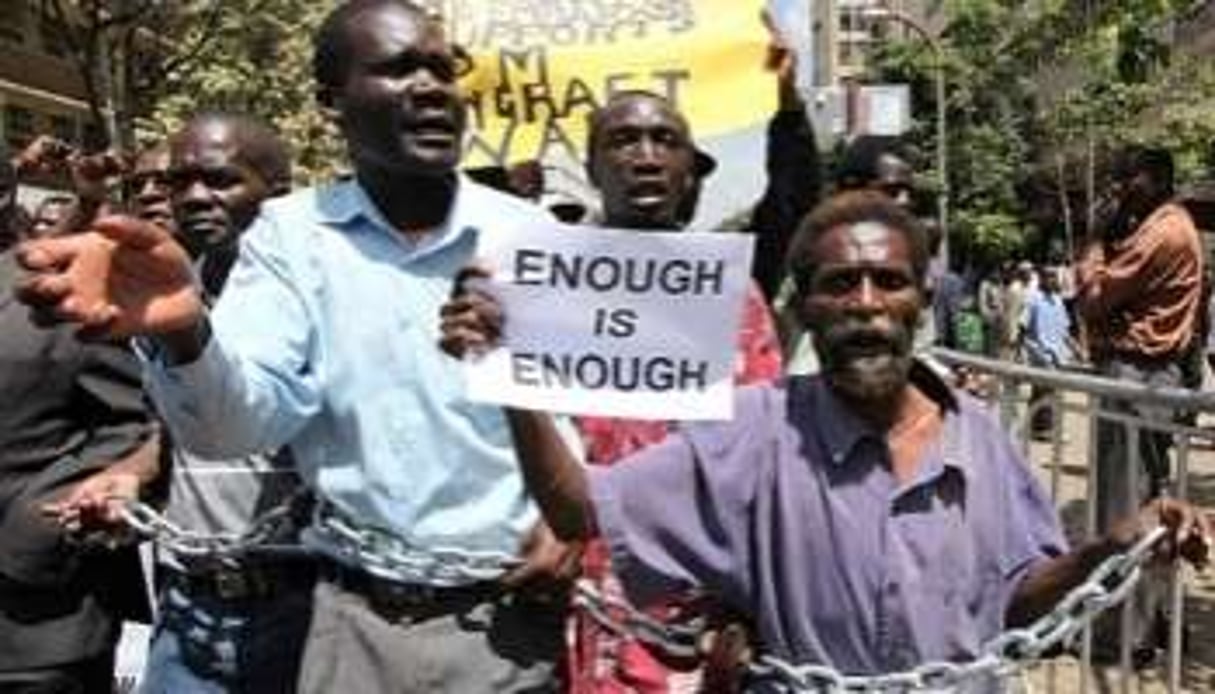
[[49, 215], [1048, 344], [224, 624], [644, 162], [1016, 294], [991, 309], [1139, 293], [148, 192], [793, 167], [68, 409]]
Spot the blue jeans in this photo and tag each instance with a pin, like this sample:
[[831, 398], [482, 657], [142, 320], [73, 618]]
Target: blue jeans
[[203, 644]]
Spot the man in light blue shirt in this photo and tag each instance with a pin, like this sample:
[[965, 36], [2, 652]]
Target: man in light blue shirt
[[325, 342], [1048, 340], [1048, 343]]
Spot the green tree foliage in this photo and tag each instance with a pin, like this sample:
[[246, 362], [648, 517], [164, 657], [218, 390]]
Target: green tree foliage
[[123, 51], [259, 61], [1033, 88]]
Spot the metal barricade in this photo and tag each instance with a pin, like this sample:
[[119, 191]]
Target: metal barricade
[[1086, 424]]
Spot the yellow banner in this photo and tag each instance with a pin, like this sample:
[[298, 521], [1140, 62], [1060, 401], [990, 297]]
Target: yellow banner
[[541, 66]]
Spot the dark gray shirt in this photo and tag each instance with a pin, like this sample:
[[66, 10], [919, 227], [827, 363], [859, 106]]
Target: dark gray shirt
[[790, 514], [68, 409]]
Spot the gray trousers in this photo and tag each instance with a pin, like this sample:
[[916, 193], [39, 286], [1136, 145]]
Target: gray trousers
[[1127, 478], [489, 647]]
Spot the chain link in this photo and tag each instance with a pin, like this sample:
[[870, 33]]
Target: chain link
[[384, 554], [1003, 656], [374, 550], [681, 640], [152, 525]]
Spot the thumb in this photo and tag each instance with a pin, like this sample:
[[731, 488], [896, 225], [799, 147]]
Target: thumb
[[470, 276], [131, 232]]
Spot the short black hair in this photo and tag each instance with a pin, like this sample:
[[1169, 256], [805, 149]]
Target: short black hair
[[858, 165], [848, 208], [331, 44], [703, 163], [1154, 162]]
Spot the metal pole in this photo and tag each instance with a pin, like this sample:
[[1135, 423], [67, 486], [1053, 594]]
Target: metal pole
[[942, 157]]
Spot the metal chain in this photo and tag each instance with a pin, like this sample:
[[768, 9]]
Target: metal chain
[[681, 640], [374, 550], [152, 525], [1003, 656], [384, 554]]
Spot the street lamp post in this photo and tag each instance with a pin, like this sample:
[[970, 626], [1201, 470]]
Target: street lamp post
[[878, 12]]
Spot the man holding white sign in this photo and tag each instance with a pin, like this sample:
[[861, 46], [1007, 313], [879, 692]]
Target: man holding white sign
[[630, 339], [871, 519], [666, 305]]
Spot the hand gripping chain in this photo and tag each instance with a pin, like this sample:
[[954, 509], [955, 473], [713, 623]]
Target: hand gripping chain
[[1001, 657], [150, 524]]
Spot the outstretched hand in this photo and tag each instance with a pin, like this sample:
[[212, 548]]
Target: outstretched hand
[[1188, 530], [121, 278], [471, 321]]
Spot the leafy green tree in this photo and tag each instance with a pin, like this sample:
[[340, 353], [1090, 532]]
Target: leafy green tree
[[123, 51], [1037, 93], [259, 61]]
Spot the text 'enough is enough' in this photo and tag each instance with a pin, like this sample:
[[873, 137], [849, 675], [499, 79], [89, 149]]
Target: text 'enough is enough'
[[676, 277]]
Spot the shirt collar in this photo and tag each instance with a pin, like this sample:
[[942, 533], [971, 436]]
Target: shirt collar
[[841, 429], [347, 201]]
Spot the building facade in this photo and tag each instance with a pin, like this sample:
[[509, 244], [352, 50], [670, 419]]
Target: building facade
[[41, 90], [846, 31]]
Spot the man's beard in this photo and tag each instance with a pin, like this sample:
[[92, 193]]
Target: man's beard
[[866, 365]]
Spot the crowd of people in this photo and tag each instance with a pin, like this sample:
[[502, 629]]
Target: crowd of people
[[205, 341]]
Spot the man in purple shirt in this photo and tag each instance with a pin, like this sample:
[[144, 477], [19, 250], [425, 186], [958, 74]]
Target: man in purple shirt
[[870, 519]]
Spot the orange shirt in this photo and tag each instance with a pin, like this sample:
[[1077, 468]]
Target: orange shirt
[[1141, 294]]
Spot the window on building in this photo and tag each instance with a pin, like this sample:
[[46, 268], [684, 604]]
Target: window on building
[[64, 128], [850, 55], [18, 126], [12, 29]]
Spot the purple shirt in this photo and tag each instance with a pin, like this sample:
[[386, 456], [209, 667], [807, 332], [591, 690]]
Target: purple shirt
[[791, 515]]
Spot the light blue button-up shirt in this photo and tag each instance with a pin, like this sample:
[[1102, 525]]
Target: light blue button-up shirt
[[325, 340]]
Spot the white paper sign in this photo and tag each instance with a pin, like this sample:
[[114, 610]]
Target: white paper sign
[[618, 323]]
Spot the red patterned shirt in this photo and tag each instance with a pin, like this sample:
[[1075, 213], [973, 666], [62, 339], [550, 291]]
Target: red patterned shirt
[[601, 662]]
